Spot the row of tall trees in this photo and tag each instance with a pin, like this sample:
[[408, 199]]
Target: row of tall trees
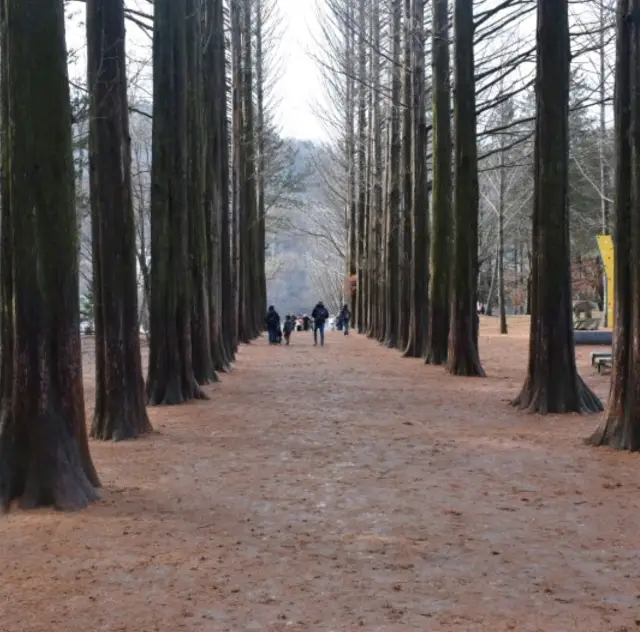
[[414, 269], [207, 286], [395, 222]]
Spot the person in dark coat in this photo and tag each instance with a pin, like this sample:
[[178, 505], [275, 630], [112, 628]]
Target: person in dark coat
[[319, 315], [345, 317], [272, 322]]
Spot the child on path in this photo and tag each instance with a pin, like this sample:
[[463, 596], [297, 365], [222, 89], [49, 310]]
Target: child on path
[[345, 317], [287, 328]]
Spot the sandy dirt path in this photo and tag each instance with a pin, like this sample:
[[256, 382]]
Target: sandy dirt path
[[341, 488]]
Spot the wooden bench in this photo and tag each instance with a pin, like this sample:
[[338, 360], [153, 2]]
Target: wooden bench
[[596, 355]]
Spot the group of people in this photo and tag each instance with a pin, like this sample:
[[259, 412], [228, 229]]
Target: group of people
[[319, 316]]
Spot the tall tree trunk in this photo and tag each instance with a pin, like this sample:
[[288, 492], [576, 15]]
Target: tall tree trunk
[[44, 453], [463, 357], [492, 285], [227, 282], [227, 178], [405, 237], [393, 168], [369, 206], [221, 319], [261, 161], [361, 167], [419, 278], [350, 144], [552, 383], [378, 210], [439, 288], [252, 254], [501, 205], [7, 315], [171, 379], [240, 230], [199, 227], [621, 426], [120, 411]]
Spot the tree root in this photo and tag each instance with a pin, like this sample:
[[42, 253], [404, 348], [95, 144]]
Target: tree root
[[544, 399], [43, 467]]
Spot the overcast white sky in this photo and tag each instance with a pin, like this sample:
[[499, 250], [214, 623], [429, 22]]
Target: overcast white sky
[[299, 86]]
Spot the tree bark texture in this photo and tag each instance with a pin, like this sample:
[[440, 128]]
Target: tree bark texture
[[120, 411], [620, 428], [393, 224], [463, 357], [419, 233], [171, 378], [552, 383], [44, 453], [440, 253]]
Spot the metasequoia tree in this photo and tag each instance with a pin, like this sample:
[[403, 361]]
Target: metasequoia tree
[[621, 426], [347, 19], [237, 157], [260, 146], [171, 379], [361, 180], [198, 226], [463, 357], [7, 314], [44, 454], [438, 319], [376, 212], [255, 304], [216, 189], [404, 225], [120, 411], [552, 383], [249, 227], [501, 213], [392, 223], [418, 200]]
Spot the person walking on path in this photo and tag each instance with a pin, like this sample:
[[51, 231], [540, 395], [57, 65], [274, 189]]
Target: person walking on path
[[272, 321], [287, 328], [345, 317], [319, 315]]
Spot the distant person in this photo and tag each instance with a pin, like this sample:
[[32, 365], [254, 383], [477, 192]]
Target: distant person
[[272, 321], [345, 317], [319, 315], [306, 321], [287, 328]]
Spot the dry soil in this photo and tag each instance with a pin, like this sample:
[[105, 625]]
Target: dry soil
[[341, 488]]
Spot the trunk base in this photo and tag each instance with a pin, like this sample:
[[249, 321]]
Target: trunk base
[[543, 397], [617, 432], [436, 355], [126, 424], [467, 366], [173, 392], [412, 349], [42, 467]]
